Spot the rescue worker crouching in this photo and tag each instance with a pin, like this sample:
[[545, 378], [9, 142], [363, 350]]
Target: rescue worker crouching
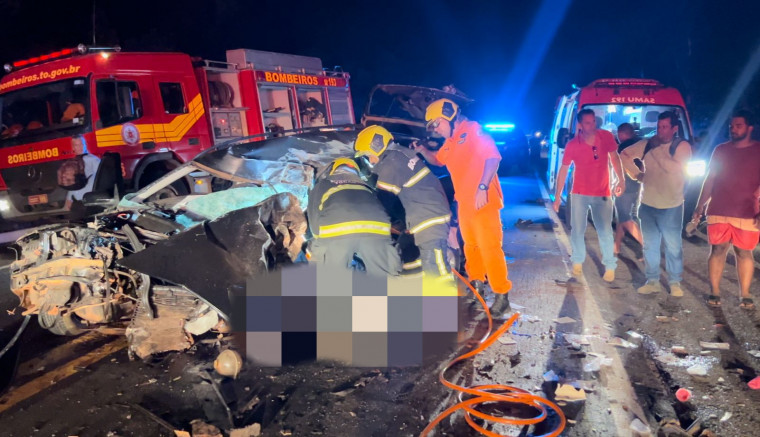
[[401, 172], [347, 220], [471, 157]]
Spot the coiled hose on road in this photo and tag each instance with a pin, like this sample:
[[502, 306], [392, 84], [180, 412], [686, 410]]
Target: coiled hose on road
[[494, 393]]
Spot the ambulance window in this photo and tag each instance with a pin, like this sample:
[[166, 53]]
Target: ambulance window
[[118, 101], [174, 101]]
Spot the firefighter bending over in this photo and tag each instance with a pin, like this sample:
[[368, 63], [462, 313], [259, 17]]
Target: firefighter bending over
[[348, 220], [402, 172], [472, 159]]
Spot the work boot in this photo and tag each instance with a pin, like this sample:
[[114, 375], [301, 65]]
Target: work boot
[[609, 275], [650, 287], [500, 306], [676, 290], [577, 270]]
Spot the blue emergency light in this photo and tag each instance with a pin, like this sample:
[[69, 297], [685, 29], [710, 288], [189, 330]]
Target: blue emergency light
[[499, 127]]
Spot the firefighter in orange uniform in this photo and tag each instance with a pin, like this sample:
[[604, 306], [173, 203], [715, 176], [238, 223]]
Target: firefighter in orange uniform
[[473, 160]]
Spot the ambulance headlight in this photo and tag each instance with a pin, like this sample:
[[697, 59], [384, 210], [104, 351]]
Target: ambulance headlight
[[8, 68], [82, 49], [5, 205], [696, 168]]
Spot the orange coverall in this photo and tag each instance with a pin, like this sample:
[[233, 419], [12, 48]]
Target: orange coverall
[[465, 154]]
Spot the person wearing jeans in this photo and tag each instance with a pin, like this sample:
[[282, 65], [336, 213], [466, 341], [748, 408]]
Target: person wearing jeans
[[601, 215], [661, 169], [657, 225], [592, 151]]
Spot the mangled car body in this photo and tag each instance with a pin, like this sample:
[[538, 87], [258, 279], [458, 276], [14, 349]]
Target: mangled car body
[[166, 269]]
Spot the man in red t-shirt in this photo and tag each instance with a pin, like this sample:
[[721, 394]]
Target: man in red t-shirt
[[591, 151], [732, 188]]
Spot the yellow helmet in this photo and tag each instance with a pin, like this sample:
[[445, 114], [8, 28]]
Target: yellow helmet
[[441, 108], [340, 162], [372, 140]]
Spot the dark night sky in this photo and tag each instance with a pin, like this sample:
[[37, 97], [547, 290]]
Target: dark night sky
[[698, 46]]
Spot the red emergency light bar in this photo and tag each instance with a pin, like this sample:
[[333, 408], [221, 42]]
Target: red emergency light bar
[[80, 49], [626, 82]]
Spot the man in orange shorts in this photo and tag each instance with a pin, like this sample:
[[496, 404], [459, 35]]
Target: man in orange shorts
[[732, 188], [472, 159]]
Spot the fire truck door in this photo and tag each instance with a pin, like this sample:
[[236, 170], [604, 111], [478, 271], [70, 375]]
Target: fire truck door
[[179, 114]]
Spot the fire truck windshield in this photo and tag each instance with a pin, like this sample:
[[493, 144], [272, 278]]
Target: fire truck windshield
[[643, 118], [44, 112]]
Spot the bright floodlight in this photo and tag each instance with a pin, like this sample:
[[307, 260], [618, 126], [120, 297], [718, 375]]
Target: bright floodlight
[[696, 168]]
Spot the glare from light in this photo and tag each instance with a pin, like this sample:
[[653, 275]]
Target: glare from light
[[501, 143], [538, 134], [544, 142], [104, 55], [628, 110], [611, 108], [5, 205], [499, 127], [696, 168]]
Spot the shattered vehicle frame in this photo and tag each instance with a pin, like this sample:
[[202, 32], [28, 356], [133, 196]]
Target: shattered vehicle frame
[[166, 268]]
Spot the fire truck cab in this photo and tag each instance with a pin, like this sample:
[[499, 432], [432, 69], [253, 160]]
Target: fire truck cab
[[143, 114], [614, 101]]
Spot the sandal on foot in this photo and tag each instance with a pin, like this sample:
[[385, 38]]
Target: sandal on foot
[[747, 303], [713, 301]]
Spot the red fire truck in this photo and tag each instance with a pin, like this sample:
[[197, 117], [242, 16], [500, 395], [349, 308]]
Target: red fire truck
[[149, 111], [614, 101]]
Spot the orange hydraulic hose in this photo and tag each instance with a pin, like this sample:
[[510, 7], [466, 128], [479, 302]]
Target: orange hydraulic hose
[[493, 393]]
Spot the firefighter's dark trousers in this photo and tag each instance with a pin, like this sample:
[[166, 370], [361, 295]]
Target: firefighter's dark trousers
[[377, 253], [433, 257]]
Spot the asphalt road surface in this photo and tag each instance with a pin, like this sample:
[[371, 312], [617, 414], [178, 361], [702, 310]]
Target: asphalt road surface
[[86, 386]]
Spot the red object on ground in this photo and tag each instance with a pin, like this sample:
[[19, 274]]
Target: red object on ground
[[683, 394], [754, 384]]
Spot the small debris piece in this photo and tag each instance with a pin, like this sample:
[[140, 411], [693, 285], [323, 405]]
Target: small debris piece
[[150, 381], [516, 306], [529, 318], [619, 342], [253, 430], [576, 338], [679, 350], [754, 384], [203, 429], [634, 334], [663, 319], [754, 353], [571, 421], [565, 319], [507, 339], [566, 392], [639, 427], [721, 379], [697, 370], [551, 376], [709, 345], [726, 416], [178, 433]]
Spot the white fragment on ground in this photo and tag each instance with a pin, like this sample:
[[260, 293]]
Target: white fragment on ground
[[710, 345], [726, 416], [565, 319], [516, 306], [721, 379], [639, 427], [506, 339], [754, 353], [595, 364], [253, 430], [619, 342], [576, 338], [679, 350], [697, 370], [566, 392], [634, 334], [529, 318]]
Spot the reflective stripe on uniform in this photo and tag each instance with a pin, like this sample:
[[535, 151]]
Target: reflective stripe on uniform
[[355, 227], [439, 262], [430, 222], [388, 187], [413, 264], [334, 190], [416, 178]]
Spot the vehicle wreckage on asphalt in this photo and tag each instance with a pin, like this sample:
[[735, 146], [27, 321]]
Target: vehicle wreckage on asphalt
[[167, 268]]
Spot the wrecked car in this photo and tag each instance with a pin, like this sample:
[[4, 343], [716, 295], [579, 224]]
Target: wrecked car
[[165, 269]]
